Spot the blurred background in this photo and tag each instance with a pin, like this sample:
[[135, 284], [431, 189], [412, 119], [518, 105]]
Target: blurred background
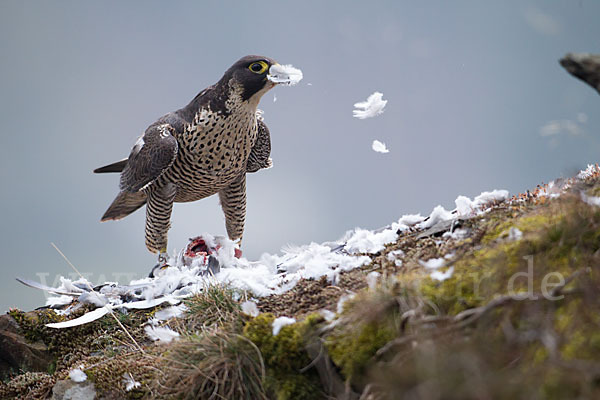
[[476, 101]]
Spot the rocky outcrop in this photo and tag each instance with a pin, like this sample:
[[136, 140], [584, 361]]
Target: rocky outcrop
[[501, 304], [18, 353]]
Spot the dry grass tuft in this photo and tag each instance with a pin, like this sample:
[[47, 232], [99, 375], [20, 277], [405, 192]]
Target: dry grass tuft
[[212, 365], [214, 306]]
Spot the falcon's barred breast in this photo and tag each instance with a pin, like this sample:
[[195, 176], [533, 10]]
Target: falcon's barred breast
[[207, 147]]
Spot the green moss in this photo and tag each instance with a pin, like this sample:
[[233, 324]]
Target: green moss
[[577, 324], [352, 350], [285, 356], [52, 368], [557, 386], [33, 324], [107, 374], [540, 355], [369, 320], [499, 228], [557, 238], [296, 386]]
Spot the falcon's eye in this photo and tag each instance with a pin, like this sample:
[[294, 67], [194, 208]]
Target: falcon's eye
[[258, 67]]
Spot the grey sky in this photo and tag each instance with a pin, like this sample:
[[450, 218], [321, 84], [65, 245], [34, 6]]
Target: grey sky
[[476, 101]]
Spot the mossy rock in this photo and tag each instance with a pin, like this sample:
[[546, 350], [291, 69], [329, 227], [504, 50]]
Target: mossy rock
[[558, 239], [285, 357]]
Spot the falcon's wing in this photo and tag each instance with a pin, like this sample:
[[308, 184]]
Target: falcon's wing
[[152, 154], [259, 155]]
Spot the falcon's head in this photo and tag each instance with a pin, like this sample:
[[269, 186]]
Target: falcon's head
[[251, 73], [258, 74]]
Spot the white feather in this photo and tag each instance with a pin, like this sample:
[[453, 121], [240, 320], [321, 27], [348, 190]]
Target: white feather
[[77, 375], [250, 308], [379, 147], [370, 108], [442, 276], [129, 382], [150, 303], [163, 334], [170, 312], [84, 319], [280, 323], [284, 74]]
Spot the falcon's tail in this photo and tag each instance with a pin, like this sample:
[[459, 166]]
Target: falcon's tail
[[114, 167], [124, 204]]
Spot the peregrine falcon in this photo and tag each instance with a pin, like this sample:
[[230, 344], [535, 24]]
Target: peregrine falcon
[[204, 148]]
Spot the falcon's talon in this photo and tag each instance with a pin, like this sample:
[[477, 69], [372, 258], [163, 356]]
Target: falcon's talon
[[157, 269], [202, 149], [161, 265], [163, 258]]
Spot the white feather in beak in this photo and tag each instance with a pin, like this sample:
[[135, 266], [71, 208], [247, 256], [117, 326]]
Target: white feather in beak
[[284, 74]]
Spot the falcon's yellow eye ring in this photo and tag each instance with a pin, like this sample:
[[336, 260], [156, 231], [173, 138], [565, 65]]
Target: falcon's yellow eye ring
[[258, 67]]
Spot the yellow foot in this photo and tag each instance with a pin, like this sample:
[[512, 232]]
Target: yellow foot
[[160, 266]]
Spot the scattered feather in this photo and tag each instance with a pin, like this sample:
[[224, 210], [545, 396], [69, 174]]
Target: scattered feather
[[465, 206], [379, 147], [409, 220], [591, 200], [37, 285], [77, 375], [495, 196], [129, 382], [274, 274], [442, 276], [394, 254], [433, 263], [69, 310], [280, 322], [372, 278], [365, 241], [150, 303], [328, 315], [57, 301], [250, 308], [93, 298], [84, 319], [342, 300], [79, 285], [457, 234], [163, 334], [439, 214], [371, 108], [588, 172], [170, 312]]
